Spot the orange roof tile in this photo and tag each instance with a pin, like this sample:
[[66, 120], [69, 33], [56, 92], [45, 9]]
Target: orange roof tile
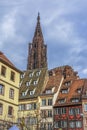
[[73, 93]]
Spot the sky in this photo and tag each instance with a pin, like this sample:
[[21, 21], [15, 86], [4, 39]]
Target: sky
[[64, 27]]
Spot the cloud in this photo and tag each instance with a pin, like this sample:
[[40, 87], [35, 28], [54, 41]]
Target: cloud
[[8, 25], [63, 24]]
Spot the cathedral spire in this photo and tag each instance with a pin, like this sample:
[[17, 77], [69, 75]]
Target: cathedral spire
[[38, 30], [37, 56]]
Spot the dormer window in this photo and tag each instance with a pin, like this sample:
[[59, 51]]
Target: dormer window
[[35, 82], [22, 76], [31, 74], [50, 73], [32, 92], [79, 90], [61, 100], [23, 94], [28, 83], [48, 91], [38, 73], [64, 90], [75, 100], [67, 83]]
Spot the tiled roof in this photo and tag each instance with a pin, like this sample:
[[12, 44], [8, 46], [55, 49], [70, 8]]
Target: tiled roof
[[36, 79], [71, 88], [5, 60], [54, 80], [73, 93]]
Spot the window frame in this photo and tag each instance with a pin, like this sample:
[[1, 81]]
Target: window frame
[[3, 71], [10, 111], [12, 76], [11, 93], [43, 102], [1, 108]]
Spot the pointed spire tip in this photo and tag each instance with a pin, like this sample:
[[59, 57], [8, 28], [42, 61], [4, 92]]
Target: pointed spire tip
[[38, 17]]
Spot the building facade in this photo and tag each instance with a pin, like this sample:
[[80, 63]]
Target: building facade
[[50, 99], [9, 92], [68, 107]]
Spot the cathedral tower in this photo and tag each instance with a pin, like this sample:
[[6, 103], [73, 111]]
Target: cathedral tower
[[37, 55]]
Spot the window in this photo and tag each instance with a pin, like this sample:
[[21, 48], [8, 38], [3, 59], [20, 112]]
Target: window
[[77, 110], [43, 102], [49, 113], [35, 82], [43, 114], [63, 124], [43, 126], [85, 107], [38, 73], [27, 83], [57, 111], [75, 100], [49, 102], [61, 101], [48, 91], [57, 124], [64, 91], [22, 76], [11, 93], [1, 109], [23, 94], [1, 89], [28, 106], [78, 124], [72, 124], [63, 110], [3, 71], [22, 107], [71, 111], [10, 111], [12, 77], [67, 83], [31, 106], [32, 120], [49, 126], [31, 92], [31, 75], [79, 90]]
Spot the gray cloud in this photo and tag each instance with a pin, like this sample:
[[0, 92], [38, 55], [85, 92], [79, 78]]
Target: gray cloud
[[63, 22]]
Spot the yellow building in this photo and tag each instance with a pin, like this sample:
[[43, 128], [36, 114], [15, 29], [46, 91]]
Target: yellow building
[[9, 92], [32, 84]]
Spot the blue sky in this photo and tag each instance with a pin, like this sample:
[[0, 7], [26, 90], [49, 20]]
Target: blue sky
[[64, 27]]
